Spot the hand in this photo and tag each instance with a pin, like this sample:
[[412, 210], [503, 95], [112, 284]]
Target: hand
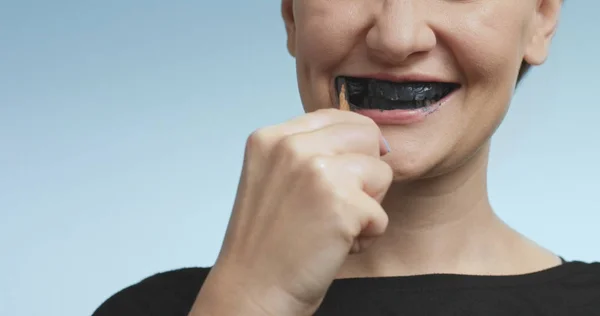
[[309, 194]]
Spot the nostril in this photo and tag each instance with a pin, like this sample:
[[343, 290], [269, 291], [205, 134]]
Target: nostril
[[393, 40]]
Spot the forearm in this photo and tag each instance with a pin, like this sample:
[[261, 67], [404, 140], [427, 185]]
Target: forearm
[[213, 302], [222, 296]]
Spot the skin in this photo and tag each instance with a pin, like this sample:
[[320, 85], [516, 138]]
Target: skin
[[439, 202], [318, 201]]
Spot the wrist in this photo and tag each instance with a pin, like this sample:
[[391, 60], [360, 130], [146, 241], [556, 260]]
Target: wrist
[[220, 301], [225, 293]]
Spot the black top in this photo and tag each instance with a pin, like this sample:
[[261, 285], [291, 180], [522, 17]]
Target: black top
[[571, 289]]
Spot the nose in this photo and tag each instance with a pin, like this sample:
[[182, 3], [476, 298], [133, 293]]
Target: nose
[[399, 31]]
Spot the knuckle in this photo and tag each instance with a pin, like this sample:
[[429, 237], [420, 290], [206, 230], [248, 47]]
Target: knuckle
[[321, 176], [319, 118], [317, 167], [380, 165], [258, 139], [290, 147], [368, 121], [373, 129], [365, 133]]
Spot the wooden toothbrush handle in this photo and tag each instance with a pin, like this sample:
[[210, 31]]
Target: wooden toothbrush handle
[[344, 105]]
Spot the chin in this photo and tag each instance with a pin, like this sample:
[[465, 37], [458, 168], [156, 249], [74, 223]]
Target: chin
[[412, 159], [412, 166]]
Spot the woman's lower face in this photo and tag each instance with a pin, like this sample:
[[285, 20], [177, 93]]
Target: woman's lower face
[[436, 75]]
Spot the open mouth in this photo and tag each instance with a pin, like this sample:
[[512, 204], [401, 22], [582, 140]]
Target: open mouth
[[367, 93]]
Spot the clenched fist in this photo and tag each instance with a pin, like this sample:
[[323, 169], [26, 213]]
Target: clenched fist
[[309, 195]]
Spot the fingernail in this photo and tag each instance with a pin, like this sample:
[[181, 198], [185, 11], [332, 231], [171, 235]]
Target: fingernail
[[387, 145]]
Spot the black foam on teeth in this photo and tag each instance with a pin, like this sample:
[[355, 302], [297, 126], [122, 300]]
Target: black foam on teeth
[[385, 95]]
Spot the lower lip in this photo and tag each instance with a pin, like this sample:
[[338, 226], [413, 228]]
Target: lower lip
[[403, 117]]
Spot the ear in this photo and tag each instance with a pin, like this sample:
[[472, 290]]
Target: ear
[[544, 24], [287, 11]]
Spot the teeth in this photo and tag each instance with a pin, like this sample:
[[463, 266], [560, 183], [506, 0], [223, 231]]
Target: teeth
[[420, 97], [355, 87], [423, 103], [384, 95], [385, 104], [404, 91]]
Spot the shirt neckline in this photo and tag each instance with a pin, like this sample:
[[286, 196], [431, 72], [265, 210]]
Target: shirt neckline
[[457, 281]]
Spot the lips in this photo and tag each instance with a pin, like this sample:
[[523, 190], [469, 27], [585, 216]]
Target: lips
[[368, 93]]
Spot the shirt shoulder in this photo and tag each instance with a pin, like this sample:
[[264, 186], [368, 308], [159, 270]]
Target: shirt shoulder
[[167, 293], [582, 275], [570, 289], [574, 293], [583, 285]]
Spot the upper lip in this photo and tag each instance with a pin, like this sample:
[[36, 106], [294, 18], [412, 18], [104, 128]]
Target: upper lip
[[415, 77]]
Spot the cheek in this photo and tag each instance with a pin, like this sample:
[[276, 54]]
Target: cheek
[[326, 33], [488, 42], [488, 47], [328, 30]]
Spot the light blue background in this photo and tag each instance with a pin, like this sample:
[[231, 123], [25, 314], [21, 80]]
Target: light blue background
[[121, 139]]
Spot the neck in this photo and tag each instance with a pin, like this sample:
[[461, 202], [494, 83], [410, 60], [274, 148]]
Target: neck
[[447, 225]]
